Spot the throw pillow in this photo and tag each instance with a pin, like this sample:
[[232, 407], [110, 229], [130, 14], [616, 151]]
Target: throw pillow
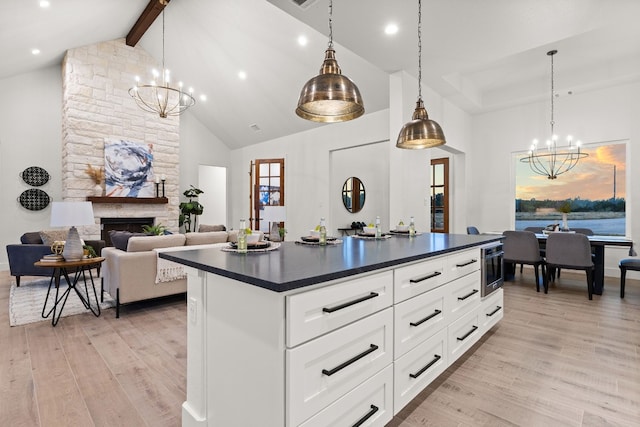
[[205, 228], [50, 236], [32, 237], [120, 239]]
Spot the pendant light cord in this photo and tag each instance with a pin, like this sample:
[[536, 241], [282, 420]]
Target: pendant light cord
[[419, 49], [164, 75], [330, 24], [552, 95]]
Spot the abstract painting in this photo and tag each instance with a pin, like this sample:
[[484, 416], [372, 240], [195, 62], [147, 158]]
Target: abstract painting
[[128, 169]]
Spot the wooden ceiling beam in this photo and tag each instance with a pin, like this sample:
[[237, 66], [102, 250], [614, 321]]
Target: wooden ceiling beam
[[148, 16]]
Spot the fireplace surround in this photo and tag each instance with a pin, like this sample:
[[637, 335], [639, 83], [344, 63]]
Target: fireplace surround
[[133, 225]]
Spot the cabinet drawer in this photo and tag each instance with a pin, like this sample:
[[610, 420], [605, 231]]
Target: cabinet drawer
[[371, 404], [416, 369], [313, 313], [492, 310], [417, 278], [463, 263], [323, 370], [418, 318], [464, 295], [462, 334]]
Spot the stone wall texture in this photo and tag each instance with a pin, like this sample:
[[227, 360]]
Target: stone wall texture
[[96, 107]]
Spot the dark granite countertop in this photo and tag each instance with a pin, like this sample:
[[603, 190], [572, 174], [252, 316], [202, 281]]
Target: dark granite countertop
[[293, 266]]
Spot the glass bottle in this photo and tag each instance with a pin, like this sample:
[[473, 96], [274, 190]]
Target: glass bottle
[[412, 227], [323, 232], [378, 231], [242, 237]]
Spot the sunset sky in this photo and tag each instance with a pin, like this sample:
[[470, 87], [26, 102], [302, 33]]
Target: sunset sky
[[591, 179]]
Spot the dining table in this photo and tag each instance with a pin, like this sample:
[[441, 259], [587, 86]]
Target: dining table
[[598, 244]]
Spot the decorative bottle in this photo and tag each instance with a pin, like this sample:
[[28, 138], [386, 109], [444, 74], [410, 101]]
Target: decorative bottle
[[242, 237], [412, 227], [378, 231], [323, 232]]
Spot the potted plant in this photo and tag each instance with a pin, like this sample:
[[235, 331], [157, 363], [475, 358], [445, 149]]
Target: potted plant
[[190, 210], [156, 230]]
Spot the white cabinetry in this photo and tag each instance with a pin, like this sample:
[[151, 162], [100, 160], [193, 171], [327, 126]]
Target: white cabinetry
[[348, 352]]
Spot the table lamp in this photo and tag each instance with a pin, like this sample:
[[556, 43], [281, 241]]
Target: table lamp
[[70, 214]]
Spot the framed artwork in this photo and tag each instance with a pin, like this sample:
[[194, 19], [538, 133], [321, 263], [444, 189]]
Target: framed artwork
[[128, 169]]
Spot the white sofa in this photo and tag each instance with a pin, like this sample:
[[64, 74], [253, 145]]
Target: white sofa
[[130, 275]]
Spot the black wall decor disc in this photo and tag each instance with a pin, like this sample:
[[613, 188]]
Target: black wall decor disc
[[34, 199], [35, 175]]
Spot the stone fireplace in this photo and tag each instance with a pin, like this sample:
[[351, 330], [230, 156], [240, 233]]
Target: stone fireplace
[[96, 107], [133, 225]]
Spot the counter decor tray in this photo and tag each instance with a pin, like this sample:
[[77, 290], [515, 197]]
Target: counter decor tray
[[253, 247], [402, 233], [315, 241], [372, 236]]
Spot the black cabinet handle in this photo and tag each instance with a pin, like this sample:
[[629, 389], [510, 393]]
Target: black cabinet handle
[[421, 321], [368, 415], [498, 308], [350, 303], [467, 263], [430, 364], [473, 292], [464, 337], [428, 276], [341, 366]]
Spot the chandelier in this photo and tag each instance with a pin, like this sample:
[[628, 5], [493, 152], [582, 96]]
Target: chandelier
[[330, 96], [158, 96], [550, 161], [420, 132]]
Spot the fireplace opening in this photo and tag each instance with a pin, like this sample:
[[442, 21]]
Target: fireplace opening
[[133, 225]]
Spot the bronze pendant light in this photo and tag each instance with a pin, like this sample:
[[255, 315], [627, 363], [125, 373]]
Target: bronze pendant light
[[330, 96], [420, 132]]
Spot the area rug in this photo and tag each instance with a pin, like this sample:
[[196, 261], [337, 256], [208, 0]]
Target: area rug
[[26, 301]]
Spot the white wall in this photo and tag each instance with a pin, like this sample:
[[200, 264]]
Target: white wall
[[212, 180], [30, 135], [371, 165], [597, 116]]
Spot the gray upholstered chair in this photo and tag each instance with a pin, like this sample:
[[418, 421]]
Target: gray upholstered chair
[[627, 264], [537, 230], [585, 231], [522, 247], [472, 230], [571, 251]]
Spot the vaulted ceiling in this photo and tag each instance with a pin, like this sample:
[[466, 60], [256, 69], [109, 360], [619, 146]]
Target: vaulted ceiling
[[481, 55]]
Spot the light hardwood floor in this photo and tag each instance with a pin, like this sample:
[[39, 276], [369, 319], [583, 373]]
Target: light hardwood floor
[[554, 360]]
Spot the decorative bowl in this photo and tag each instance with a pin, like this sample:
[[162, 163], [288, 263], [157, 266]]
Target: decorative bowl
[[369, 230], [402, 228], [253, 238]]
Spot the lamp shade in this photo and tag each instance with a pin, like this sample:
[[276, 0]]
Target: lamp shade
[[420, 132], [66, 214]]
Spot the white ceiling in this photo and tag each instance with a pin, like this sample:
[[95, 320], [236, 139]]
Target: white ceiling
[[481, 55]]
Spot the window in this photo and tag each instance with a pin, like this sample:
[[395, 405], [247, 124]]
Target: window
[[440, 195], [593, 192]]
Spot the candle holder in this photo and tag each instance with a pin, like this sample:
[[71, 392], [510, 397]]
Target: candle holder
[[163, 187], [158, 189]]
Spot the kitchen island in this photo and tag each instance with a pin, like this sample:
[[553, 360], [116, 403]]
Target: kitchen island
[[328, 335]]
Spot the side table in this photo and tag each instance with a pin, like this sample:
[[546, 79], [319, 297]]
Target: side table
[[63, 268]]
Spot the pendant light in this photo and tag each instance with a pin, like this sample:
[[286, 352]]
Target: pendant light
[[420, 132], [330, 96]]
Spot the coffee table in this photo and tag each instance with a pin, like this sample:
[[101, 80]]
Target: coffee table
[[79, 270]]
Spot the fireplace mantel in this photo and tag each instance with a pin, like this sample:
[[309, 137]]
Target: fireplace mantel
[[138, 200]]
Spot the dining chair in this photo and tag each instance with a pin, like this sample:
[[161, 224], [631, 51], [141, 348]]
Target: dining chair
[[627, 264], [472, 230], [586, 232], [537, 230], [571, 251], [522, 247]]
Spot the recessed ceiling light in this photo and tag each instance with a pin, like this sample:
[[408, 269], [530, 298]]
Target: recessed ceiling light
[[44, 3], [302, 40], [391, 29], [242, 75], [203, 97], [35, 51]]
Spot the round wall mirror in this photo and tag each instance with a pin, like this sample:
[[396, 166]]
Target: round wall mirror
[[353, 194]]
